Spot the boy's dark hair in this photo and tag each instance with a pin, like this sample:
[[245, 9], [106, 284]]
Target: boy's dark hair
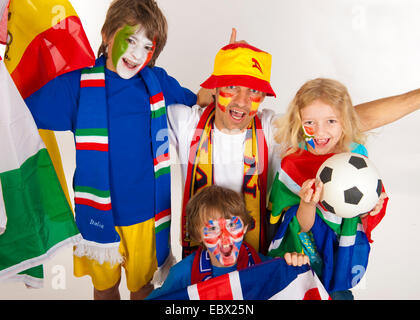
[[134, 12], [204, 204]]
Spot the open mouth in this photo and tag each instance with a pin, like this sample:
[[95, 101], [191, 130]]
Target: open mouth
[[321, 142], [237, 115], [226, 250], [129, 64]]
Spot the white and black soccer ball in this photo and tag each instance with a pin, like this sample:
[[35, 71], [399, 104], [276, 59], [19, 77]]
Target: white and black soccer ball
[[352, 185]]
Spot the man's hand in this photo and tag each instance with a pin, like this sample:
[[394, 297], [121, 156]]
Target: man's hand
[[233, 38], [205, 97]]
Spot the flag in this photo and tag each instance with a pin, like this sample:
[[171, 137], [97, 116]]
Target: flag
[[4, 4], [273, 279], [35, 217], [45, 39], [338, 248]]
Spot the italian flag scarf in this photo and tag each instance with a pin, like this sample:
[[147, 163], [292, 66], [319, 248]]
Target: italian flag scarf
[[342, 244], [202, 269], [200, 175], [94, 215]]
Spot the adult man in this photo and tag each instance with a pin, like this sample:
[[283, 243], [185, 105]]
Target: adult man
[[230, 143]]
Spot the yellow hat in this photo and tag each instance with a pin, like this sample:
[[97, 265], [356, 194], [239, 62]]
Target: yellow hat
[[241, 65]]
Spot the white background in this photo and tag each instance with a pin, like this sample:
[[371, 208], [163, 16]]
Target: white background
[[372, 46]]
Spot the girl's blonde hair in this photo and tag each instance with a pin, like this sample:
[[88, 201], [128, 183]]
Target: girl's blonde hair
[[134, 12], [289, 132]]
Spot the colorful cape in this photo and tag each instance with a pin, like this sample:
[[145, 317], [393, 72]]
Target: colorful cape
[[343, 244], [272, 279], [35, 217], [200, 175], [94, 215]]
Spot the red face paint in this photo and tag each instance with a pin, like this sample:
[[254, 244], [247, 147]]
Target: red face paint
[[223, 100]]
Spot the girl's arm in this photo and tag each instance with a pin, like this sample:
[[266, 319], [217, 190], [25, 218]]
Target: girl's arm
[[309, 197]]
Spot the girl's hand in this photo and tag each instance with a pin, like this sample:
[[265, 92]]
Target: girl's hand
[[378, 206], [307, 193], [296, 259]]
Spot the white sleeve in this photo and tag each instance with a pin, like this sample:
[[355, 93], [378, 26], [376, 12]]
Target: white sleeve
[[268, 119], [3, 217], [180, 118]]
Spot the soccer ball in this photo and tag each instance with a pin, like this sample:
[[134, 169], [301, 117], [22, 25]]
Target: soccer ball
[[352, 185]]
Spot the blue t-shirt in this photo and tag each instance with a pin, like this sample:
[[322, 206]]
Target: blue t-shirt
[[55, 107]]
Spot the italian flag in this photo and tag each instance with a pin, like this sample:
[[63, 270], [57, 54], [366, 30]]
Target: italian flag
[[45, 38], [35, 217]]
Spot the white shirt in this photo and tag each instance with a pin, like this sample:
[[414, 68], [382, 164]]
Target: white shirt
[[228, 149]]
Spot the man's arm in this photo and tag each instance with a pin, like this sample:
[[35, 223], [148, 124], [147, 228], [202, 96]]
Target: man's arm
[[383, 111]]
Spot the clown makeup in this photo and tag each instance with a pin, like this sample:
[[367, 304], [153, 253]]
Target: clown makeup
[[131, 51], [223, 238]]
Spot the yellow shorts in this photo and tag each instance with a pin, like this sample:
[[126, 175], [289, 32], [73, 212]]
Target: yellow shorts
[[139, 251]]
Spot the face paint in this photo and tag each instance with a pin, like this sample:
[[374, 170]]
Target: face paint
[[255, 103], [223, 100], [308, 133], [223, 238], [131, 51]]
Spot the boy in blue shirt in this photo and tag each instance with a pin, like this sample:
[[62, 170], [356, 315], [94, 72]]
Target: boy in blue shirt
[[117, 111], [218, 220]]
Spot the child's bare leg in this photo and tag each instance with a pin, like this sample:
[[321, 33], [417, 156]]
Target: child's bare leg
[[142, 293], [108, 294]]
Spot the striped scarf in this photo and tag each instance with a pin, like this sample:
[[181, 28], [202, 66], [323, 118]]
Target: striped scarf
[[200, 174], [94, 212], [342, 244], [202, 269]]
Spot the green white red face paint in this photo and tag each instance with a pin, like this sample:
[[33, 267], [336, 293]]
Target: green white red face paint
[[223, 238], [131, 51]]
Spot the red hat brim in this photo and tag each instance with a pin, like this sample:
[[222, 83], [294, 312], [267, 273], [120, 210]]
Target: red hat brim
[[238, 80]]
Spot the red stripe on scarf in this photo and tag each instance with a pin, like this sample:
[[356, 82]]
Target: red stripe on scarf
[[91, 203], [91, 146], [92, 83], [162, 214], [161, 158], [156, 98]]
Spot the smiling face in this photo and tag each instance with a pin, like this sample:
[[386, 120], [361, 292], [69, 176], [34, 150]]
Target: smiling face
[[322, 122], [223, 239], [129, 51], [236, 106]]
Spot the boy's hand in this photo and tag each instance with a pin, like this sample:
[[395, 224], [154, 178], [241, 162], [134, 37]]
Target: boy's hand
[[307, 193], [296, 259]]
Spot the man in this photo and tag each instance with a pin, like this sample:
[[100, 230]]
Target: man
[[230, 143]]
